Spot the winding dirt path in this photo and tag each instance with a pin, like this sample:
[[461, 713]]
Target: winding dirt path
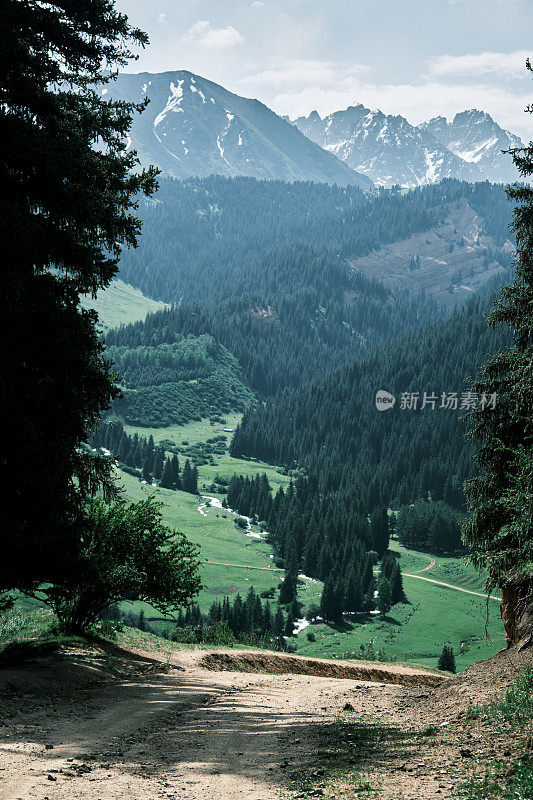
[[101, 723], [450, 586], [111, 725], [242, 566]]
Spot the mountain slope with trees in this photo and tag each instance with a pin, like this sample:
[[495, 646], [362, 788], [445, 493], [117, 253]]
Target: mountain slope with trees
[[217, 239], [333, 431]]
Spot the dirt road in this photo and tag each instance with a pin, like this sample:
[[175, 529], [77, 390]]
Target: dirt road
[[100, 725], [450, 586]]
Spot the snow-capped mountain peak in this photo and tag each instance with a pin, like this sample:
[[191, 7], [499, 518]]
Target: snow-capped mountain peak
[[391, 151], [194, 127]]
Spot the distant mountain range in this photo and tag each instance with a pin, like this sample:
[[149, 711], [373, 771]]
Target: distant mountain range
[[195, 128], [391, 151]]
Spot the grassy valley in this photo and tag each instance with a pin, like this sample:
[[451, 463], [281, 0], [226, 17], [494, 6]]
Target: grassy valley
[[120, 304], [411, 632]]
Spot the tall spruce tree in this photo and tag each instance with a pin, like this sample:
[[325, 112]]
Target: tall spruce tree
[[67, 196], [159, 460], [379, 530], [384, 596], [499, 529], [447, 659], [396, 585], [167, 478]]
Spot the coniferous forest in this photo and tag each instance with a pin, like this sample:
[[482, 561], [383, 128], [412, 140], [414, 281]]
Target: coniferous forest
[[321, 444]]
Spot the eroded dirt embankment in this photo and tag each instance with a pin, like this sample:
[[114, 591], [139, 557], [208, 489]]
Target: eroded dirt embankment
[[281, 664]]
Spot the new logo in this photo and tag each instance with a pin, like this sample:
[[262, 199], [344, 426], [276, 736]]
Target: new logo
[[384, 400]]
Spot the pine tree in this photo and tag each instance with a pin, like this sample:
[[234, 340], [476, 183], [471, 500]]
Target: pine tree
[[189, 478], [288, 590], [268, 622], [500, 527], [353, 595], [142, 624], [279, 622], [384, 596], [380, 531], [176, 480], [146, 472], [396, 585], [167, 478], [289, 624], [295, 608], [447, 659], [330, 609], [68, 192], [159, 459]]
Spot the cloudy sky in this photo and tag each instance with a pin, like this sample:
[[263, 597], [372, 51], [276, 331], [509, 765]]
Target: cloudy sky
[[418, 58]]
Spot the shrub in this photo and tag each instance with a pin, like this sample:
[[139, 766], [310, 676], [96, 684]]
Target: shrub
[[126, 553]]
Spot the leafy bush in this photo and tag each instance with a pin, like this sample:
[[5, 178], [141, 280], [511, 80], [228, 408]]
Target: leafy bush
[[126, 553]]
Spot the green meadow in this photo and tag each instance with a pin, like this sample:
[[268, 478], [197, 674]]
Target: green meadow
[[120, 304], [413, 632], [199, 431]]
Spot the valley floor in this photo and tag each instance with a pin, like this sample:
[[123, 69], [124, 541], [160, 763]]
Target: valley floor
[[97, 721]]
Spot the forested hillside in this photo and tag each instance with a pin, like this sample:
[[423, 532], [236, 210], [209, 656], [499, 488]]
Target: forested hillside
[[283, 343], [170, 384], [216, 239], [262, 268], [333, 430]]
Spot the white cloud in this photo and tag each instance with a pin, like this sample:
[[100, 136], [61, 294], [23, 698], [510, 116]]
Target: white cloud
[[297, 86], [162, 19], [294, 74], [502, 65], [203, 34]]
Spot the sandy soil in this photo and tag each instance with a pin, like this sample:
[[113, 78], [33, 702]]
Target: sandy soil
[[100, 723]]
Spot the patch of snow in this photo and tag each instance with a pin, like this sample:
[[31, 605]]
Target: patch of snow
[[166, 148], [374, 612], [214, 502], [104, 91], [173, 102], [303, 577], [381, 135], [477, 153], [229, 115], [240, 140], [144, 87], [221, 151], [433, 166], [193, 88], [212, 100]]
